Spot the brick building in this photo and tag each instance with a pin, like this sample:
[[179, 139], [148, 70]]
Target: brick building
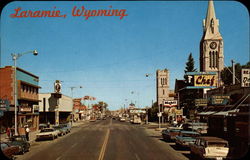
[[27, 98]]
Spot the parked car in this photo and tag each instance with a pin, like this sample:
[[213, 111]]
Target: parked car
[[209, 148], [42, 125], [185, 138], [62, 130], [20, 140], [9, 151], [122, 119], [92, 119], [104, 118], [198, 126], [66, 126], [47, 133], [170, 134]]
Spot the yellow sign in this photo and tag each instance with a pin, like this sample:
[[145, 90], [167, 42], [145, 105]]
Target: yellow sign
[[205, 80]]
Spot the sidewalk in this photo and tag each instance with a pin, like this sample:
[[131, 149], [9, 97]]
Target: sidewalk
[[32, 135]]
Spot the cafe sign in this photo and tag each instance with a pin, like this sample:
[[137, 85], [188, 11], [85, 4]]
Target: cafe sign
[[205, 80], [245, 77]]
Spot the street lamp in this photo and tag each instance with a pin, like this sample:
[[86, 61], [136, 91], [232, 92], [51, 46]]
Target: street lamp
[[14, 58], [72, 88]]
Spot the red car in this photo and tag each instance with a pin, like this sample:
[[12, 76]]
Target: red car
[[9, 151]]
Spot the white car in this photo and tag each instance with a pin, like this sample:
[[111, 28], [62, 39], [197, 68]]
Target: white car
[[47, 133], [209, 148], [122, 119]]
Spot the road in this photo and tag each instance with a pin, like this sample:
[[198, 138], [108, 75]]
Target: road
[[104, 140]]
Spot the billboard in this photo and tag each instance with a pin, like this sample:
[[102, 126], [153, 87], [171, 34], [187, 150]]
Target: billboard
[[245, 77]]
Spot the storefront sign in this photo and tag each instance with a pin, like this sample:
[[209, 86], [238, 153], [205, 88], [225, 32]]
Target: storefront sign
[[137, 111], [4, 105], [205, 80], [245, 80], [35, 108], [172, 103], [201, 102], [25, 109], [179, 112], [219, 100]]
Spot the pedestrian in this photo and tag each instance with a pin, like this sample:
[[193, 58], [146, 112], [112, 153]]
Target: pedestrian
[[27, 130], [8, 132]]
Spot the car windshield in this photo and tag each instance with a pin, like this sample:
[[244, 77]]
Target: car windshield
[[189, 135], [217, 144], [17, 138], [47, 130]]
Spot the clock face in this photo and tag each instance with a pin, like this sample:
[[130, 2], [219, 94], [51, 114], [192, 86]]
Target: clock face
[[213, 45]]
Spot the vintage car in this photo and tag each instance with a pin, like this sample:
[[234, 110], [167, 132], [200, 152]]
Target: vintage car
[[170, 134], [42, 125], [61, 129], [47, 133], [185, 138], [66, 126], [209, 148], [92, 119], [20, 140], [122, 119], [9, 151]]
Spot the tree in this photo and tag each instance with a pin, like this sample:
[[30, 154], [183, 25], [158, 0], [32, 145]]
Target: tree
[[189, 66], [152, 115], [227, 76]]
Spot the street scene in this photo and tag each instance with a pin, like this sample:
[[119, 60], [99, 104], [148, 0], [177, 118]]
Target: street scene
[[139, 80]]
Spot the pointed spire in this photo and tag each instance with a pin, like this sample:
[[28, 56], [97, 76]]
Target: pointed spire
[[210, 12], [211, 24]]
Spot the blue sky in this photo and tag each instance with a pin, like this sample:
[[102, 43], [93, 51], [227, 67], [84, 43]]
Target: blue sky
[[109, 57]]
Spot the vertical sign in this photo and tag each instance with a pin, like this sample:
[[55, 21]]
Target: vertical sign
[[245, 77]]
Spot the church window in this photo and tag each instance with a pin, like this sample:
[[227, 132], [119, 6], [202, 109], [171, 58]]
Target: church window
[[163, 91], [210, 59], [212, 25], [214, 60]]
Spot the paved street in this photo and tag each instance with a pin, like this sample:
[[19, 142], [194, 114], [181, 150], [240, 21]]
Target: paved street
[[105, 139]]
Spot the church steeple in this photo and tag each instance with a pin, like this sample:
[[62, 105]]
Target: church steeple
[[211, 24], [211, 45]]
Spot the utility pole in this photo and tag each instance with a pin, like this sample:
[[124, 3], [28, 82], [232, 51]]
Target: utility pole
[[233, 66]]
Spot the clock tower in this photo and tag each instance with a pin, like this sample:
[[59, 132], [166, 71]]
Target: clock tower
[[211, 44]]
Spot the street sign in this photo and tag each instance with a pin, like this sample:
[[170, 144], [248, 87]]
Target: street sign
[[245, 80]]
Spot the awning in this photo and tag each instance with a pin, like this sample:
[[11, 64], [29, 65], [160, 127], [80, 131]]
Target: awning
[[206, 113], [226, 113]]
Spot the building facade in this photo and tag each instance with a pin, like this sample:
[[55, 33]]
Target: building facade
[[48, 105], [27, 98], [162, 86]]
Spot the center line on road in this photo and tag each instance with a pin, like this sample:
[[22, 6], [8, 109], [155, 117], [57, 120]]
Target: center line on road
[[137, 157], [104, 146]]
